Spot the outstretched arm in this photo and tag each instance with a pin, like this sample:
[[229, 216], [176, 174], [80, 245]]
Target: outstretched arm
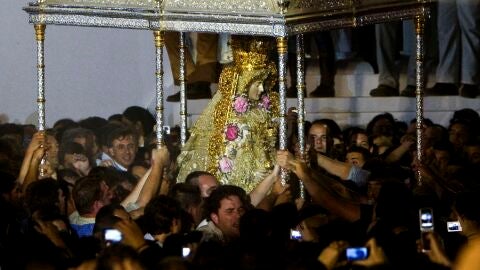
[[32, 173], [38, 139], [406, 142], [334, 167], [148, 185], [321, 188], [262, 189]]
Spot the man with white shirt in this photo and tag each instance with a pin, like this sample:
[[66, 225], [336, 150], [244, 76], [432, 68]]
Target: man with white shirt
[[224, 207], [122, 146]]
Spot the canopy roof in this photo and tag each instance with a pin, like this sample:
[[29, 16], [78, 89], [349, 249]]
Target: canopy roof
[[254, 17]]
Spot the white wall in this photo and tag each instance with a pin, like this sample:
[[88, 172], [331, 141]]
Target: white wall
[[89, 71]]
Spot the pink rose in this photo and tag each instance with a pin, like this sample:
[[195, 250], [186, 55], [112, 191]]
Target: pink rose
[[231, 133], [240, 104], [265, 102], [226, 165]]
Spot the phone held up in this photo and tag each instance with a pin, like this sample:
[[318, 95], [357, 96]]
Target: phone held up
[[295, 235], [426, 226], [112, 236], [454, 226], [356, 253]]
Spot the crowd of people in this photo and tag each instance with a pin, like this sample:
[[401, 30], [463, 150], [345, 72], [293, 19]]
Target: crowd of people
[[105, 194], [99, 194]]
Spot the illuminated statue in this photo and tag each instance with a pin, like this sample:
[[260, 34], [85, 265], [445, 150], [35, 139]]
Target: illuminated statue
[[235, 136]]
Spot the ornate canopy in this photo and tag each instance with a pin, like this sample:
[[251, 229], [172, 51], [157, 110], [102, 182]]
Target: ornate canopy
[[277, 18], [252, 17]]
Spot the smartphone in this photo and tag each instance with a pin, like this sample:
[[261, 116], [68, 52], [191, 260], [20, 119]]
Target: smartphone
[[454, 226], [185, 251], [426, 226], [356, 253], [112, 235], [295, 235], [426, 219]]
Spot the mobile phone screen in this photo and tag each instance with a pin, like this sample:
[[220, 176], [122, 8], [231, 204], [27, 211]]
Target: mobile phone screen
[[356, 253], [426, 219], [185, 251], [112, 235], [295, 235], [454, 226]]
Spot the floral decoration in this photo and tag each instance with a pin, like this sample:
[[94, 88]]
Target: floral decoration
[[236, 131], [225, 164], [231, 132], [240, 104], [265, 102]]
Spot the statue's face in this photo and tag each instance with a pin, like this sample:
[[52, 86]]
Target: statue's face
[[255, 90]]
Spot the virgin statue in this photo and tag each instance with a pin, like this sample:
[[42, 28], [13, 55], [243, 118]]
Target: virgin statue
[[235, 136]]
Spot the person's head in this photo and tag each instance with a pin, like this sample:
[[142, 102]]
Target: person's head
[[90, 193], [162, 216], [204, 180], [13, 131], [469, 117], [119, 183], [84, 137], [122, 145], [62, 125], [46, 194], [381, 125], [442, 155], [118, 256], [138, 169], [107, 216], [93, 123], [189, 198], [380, 174], [357, 156], [224, 208], [434, 134], [141, 119], [357, 137], [460, 134], [472, 152], [324, 135], [104, 132], [71, 152]]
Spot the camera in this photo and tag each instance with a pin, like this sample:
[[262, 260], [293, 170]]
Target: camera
[[356, 253], [426, 219], [185, 251], [426, 226], [112, 235], [295, 235], [454, 226]]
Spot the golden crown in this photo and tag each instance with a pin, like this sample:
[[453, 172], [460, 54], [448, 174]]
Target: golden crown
[[250, 53]]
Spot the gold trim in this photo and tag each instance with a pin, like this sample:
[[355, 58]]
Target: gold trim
[[159, 38], [40, 32], [419, 24], [282, 45]]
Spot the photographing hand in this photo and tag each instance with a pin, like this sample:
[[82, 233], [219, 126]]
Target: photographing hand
[[376, 255], [436, 253], [330, 255], [132, 234]]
